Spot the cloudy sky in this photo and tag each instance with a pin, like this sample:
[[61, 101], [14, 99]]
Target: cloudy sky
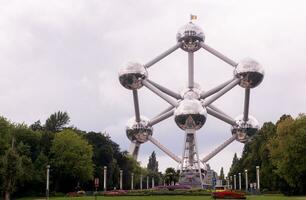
[[65, 55]]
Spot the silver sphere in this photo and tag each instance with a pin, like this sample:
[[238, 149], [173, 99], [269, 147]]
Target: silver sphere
[[132, 75], [138, 131], [190, 35], [194, 93], [245, 130], [190, 114], [250, 72]]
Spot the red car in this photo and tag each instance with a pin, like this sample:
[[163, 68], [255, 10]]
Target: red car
[[227, 194]]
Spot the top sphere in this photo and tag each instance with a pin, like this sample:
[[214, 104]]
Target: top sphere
[[190, 35], [250, 72], [132, 75]]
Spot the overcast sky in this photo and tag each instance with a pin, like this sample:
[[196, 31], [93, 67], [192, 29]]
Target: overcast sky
[[66, 54]]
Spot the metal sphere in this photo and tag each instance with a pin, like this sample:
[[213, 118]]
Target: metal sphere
[[250, 72], [190, 35], [245, 130], [194, 93], [132, 75], [190, 114], [138, 131]]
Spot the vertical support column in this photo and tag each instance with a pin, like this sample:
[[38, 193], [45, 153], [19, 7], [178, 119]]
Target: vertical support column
[[153, 183], [231, 182], [104, 177], [235, 186], [246, 180], [246, 105], [257, 177], [121, 174], [132, 181], [147, 182], [47, 183], [239, 180], [140, 182], [227, 182], [190, 70], [198, 159]]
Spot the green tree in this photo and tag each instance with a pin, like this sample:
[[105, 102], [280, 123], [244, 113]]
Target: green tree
[[171, 176], [288, 152], [71, 160], [57, 121], [221, 176], [153, 163]]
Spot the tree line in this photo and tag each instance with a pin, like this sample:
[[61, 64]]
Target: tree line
[[76, 157], [280, 151]]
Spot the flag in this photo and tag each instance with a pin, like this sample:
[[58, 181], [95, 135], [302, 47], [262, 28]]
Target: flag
[[193, 17]]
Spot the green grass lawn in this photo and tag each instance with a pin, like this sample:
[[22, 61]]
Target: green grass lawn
[[261, 197]]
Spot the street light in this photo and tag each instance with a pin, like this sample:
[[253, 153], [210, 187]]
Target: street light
[[47, 184]]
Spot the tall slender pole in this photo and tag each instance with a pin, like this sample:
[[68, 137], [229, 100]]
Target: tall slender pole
[[104, 177], [246, 180], [239, 181], [47, 184], [121, 173], [227, 182], [132, 181], [153, 183], [246, 105], [235, 186], [140, 181], [147, 182], [190, 70], [257, 176]]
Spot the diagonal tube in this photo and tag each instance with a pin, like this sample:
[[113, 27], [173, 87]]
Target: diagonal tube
[[218, 149], [246, 105], [165, 90], [218, 110], [134, 149], [164, 149], [190, 70], [222, 91], [220, 116], [159, 93], [218, 54], [136, 105], [161, 117], [216, 89], [163, 55]]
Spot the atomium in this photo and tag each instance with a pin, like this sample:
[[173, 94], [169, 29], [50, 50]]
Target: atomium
[[250, 72], [245, 130], [131, 76], [190, 114], [191, 106], [138, 131], [190, 35]]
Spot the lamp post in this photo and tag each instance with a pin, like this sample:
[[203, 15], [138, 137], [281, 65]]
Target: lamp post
[[121, 174], [47, 182], [140, 181], [235, 182], [147, 182], [246, 180], [257, 177], [239, 181], [104, 177], [132, 181]]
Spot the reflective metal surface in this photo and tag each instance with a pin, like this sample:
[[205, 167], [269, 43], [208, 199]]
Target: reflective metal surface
[[250, 72], [194, 93], [190, 114], [245, 130], [138, 131], [131, 76], [190, 35]]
